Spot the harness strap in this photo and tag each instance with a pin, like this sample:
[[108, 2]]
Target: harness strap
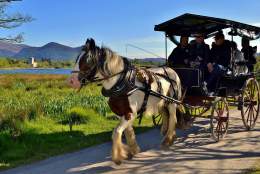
[[143, 107], [171, 83]]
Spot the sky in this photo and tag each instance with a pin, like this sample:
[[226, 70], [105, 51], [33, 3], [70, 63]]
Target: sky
[[116, 23]]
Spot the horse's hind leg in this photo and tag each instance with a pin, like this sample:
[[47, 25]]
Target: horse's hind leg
[[131, 141], [165, 121], [171, 131], [119, 150]]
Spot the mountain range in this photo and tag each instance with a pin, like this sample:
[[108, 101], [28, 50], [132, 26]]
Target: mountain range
[[52, 50]]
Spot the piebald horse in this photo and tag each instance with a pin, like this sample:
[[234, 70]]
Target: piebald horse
[[101, 64]]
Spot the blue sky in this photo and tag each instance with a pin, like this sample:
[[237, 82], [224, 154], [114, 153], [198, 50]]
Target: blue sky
[[116, 23]]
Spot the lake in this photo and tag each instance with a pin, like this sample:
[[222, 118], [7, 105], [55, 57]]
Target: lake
[[35, 71]]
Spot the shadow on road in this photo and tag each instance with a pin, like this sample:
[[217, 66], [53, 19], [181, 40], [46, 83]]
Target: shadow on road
[[193, 152]]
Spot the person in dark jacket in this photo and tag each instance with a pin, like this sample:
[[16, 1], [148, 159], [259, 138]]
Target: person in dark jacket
[[220, 56], [199, 51], [249, 54], [180, 55], [221, 51]]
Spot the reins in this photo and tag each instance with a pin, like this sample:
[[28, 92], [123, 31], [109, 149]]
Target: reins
[[100, 79]]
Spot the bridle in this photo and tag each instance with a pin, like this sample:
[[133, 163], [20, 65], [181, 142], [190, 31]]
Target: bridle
[[88, 76]]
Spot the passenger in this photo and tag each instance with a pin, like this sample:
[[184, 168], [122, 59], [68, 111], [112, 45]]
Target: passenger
[[249, 54], [180, 55], [220, 56], [239, 66], [199, 52]]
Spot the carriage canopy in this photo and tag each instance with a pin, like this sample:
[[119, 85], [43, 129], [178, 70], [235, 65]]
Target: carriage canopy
[[191, 24]]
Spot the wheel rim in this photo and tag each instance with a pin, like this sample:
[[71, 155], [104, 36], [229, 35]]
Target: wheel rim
[[219, 119], [250, 103]]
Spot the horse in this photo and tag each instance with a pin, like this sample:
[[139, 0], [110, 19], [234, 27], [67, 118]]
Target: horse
[[122, 84]]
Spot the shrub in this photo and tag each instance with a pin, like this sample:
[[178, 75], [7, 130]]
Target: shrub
[[11, 120], [75, 116]]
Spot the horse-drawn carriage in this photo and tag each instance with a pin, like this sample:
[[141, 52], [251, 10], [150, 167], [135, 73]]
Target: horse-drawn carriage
[[133, 91], [233, 89]]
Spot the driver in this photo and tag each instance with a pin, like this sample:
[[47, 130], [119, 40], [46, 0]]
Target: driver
[[180, 55]]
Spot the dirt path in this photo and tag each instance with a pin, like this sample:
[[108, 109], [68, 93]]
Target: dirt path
[[193, 152]]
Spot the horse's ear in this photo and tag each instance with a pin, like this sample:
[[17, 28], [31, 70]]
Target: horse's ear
[[90, 44]]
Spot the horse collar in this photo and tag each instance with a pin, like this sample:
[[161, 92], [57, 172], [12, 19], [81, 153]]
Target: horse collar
[[124, 84]]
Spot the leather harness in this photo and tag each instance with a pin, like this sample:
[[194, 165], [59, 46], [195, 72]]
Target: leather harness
[[125, 85]]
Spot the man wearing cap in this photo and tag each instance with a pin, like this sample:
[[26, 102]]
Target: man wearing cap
[[220, 56]]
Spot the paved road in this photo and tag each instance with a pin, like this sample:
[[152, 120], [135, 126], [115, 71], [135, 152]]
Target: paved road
[[193, 152]]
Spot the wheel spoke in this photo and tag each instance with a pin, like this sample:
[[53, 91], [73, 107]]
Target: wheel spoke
[[156, 116], [255, 109], [249, 113], [246, 97], [254, 89], [246, 110]]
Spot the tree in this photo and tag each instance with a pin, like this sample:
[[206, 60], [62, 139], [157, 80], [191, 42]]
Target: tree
[[11, 21]]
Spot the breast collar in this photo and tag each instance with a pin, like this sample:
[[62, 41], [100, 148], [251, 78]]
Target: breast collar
[[124, 84]]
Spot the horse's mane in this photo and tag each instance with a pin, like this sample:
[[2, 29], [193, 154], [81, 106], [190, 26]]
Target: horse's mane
[[113, 61]]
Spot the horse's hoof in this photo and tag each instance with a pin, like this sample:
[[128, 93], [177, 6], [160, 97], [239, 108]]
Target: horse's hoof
[[164, 147], [167, 142], [130, 156], [135, 150], [118, 162]]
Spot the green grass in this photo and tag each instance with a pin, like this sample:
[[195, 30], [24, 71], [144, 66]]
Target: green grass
[[33, 110], [23, 63], [44, 137]]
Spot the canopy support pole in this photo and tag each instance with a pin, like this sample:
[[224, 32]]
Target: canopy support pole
[[166, 46], [232, 54]]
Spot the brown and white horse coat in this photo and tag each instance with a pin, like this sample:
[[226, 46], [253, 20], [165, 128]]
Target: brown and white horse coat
[[102, 63]]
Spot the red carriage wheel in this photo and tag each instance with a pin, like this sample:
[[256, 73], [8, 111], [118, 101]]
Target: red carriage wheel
[[250, 103], [219, 118]]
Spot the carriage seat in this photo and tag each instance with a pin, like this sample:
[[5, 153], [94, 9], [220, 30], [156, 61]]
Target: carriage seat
[[190, 77]]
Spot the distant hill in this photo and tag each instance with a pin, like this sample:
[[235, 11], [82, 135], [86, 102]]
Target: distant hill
[[52, 50], [155, 61], [158, 60], [9, 49]]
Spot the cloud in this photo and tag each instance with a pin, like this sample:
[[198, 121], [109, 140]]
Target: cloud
[[256, 24]]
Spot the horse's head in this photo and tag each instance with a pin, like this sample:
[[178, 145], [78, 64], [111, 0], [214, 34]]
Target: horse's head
[[86, 64]]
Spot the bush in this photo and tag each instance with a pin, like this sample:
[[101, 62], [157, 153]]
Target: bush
[[75, 116], [11, 120]]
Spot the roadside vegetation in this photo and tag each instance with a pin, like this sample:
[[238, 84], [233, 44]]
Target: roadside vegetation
[[40, 116], [42, 63]]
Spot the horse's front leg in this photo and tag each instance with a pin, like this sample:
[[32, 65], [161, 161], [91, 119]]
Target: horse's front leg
[[119, 150], [131, 140]]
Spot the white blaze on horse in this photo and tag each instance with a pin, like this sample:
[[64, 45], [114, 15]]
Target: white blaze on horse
[[128, 90]]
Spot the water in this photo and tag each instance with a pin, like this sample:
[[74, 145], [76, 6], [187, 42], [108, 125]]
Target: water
[[35, 71]]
